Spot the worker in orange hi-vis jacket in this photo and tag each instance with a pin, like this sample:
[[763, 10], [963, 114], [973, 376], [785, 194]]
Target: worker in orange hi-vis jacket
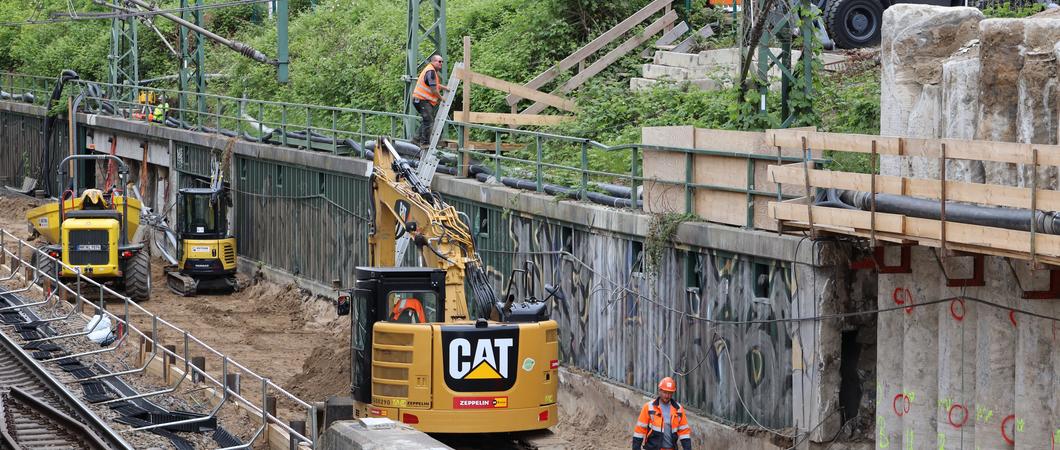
[[662, 422]]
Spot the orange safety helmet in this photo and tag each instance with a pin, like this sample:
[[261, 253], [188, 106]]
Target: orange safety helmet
[[667, 384]]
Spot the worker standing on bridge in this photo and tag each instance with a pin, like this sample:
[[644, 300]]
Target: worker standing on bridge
[[425, 98], [662, 422], [161, 111]]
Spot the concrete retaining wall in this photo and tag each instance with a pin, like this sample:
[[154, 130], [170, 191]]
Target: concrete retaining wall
[[961, 374]]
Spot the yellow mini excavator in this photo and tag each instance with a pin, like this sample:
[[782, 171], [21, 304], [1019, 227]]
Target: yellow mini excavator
[[417, 355], [206, 250]]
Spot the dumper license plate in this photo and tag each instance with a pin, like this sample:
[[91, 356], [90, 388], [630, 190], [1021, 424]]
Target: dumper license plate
[[89, 247]]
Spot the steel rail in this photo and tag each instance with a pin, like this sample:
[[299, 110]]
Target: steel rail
[[49, 381]]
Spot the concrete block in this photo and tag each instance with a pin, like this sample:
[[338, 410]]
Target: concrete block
[[352, 435], [640, 84], [720, 56], [659, 72], [706, 84], [675, 59], [336, 409], [920, 351]]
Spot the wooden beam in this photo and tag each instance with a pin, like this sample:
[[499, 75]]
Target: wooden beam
[[518, 119], [506, 86], [605, 61], [588, 49], [921, 229], [987, 194], [465, 162], [1010, 152]]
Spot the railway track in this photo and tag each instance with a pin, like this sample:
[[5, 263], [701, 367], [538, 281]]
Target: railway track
[[36, 412]]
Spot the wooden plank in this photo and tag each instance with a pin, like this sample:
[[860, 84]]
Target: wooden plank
[[1010, 152], [517, 119], [913, 227], [837, 217], [667, 39], [609, 58], [588, 49], [465, 163], [686, 44], [509, 87], [899, 239], [987, 194], [859, 143]]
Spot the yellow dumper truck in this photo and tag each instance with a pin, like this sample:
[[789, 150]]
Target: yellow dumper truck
[[90, 232]]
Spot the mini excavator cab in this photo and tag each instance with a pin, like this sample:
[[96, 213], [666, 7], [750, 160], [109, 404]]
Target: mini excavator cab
[[206, 251]]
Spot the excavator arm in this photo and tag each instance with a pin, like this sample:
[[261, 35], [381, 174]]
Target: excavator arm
[[401, 203]]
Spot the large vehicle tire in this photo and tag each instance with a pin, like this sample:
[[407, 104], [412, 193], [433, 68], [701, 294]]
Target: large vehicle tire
[[138, 276], [45, 265], [854, 23]]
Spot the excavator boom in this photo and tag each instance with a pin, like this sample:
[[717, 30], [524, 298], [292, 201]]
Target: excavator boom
[[403, 204]]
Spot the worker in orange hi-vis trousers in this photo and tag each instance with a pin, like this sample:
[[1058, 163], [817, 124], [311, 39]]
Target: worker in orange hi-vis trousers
[[662, 422]]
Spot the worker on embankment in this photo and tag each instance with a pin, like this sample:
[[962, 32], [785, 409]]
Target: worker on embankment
[[662, 422], [425, 98]]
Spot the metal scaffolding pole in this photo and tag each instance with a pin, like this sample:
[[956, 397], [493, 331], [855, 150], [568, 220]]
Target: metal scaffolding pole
[[124, 68], [423, 41], [192, 60], [775, 22]]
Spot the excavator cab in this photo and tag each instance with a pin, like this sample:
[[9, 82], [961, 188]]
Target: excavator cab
[[206, 250], [411, 295]]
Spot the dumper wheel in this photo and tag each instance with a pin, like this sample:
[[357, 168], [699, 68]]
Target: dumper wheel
[[44, 265], [138, 276]]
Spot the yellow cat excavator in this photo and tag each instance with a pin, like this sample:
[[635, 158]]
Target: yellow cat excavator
[[417, 355]]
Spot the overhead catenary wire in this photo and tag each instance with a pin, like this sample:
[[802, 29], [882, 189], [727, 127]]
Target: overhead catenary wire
[[86, 16]]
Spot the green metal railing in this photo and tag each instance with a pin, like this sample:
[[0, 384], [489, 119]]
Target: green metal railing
[[574, 164]]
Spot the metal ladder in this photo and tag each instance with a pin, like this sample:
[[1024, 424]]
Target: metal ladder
[[429, 159]]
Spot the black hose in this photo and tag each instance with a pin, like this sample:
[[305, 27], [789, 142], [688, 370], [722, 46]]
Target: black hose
[[482, 294], [403, 148], [1009, 218], [45, 156]]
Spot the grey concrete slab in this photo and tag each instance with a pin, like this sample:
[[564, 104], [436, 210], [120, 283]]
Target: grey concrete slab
[[352, 435]]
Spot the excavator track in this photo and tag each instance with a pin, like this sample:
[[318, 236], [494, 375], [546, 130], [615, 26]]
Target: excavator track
[[187, 286], [181, 284]]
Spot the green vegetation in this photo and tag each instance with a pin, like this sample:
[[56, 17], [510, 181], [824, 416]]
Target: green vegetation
[[351, 54], [1013, 10]]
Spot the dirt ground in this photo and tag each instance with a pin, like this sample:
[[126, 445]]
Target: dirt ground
[[289, 336]]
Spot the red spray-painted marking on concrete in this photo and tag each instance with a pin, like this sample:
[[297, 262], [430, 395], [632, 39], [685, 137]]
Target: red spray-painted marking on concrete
[[957, 309], [964, 415], [902, 296], [1012, 317], [1004, 432], [905, 407]]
